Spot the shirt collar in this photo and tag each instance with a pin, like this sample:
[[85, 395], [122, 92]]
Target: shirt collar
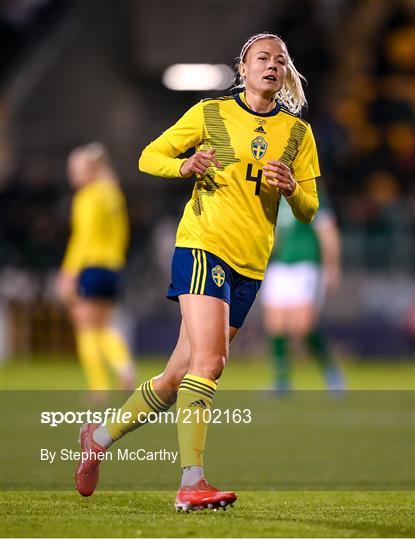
[[241, 101]]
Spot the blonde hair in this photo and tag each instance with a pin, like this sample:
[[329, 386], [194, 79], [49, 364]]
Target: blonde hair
[[98, 155], [291, 94]]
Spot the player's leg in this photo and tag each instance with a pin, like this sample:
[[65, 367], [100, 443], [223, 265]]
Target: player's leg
[[201, 282], [101, 285], [300, 321], [206, 320], [320, 348], [211, 325], [303, 321], [276, 327], [91, 313], [207, 324], [117, 353], [276, 296], [88, 316]]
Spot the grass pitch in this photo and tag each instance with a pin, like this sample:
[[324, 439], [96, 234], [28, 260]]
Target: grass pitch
[[256, 514], [260, 514], [57, 373]]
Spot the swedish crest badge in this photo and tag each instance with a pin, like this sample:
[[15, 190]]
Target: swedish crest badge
[[259, 147], [218, 275]]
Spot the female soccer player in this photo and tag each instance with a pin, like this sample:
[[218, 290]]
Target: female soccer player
[[95, 254], [304, 264], [250, 149]]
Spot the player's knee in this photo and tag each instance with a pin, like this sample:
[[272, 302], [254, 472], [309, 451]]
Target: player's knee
[[275, 322], [208, 366], [85, 317], [274, 328], [299, 331]]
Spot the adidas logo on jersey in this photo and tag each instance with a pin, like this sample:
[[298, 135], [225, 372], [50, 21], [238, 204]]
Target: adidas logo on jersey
[[260, 129], [199, 403]]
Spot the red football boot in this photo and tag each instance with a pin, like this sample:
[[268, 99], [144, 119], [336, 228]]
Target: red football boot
[[87, 472], [202, 495]]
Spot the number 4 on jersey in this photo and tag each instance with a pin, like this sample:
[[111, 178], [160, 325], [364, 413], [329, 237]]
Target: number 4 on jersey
[[256, 179]]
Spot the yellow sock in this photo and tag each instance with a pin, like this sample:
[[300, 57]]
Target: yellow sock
[[195, 394], [116, 350], [89, 352], [144, 400]]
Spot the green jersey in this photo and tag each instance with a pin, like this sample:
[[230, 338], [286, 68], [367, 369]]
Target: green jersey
[[297, 241]]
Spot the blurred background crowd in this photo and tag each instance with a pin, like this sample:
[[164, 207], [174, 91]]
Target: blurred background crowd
[[74, 72]]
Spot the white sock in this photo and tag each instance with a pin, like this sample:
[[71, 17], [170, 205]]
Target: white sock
[[191, 475], [102, 437]]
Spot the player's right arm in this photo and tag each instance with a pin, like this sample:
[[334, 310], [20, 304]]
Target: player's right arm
[[83, 226], [159, 158], [66, 280], [83, 221], [84, 215]]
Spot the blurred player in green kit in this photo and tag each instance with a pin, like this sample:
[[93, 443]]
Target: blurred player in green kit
[[304, 266]]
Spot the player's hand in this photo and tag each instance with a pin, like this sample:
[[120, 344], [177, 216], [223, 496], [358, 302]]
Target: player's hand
[[66, 287], [331, 277], [199, 163], [279, 175]]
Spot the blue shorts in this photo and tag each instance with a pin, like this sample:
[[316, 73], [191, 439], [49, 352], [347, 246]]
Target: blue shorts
[[195, 271], [100, 283]]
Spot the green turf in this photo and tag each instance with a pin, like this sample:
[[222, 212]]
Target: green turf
[[241, 373], [257, 514], [260, 514]]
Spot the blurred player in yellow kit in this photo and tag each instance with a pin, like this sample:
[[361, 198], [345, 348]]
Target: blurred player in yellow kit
[[250, 150], [89, 278]]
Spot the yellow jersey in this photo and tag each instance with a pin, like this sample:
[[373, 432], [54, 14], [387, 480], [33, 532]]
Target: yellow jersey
[[100, 229], [233, 211]]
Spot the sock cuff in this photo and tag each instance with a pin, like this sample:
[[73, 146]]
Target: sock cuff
[[152, 398], [201, 380], [197, 384]]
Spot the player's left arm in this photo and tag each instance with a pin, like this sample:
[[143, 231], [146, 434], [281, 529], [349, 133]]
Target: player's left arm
[[330, 245], [303, 199], [298, 183]]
